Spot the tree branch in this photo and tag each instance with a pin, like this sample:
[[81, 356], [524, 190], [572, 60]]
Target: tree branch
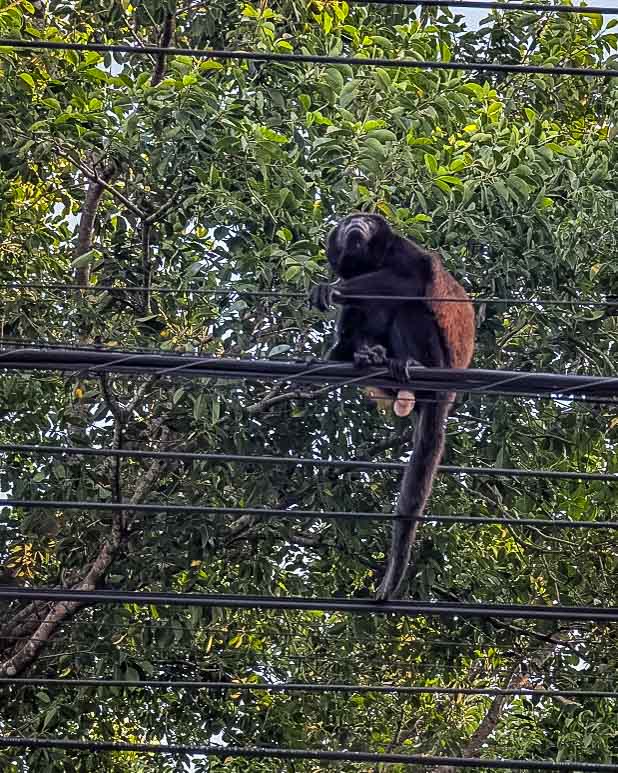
[[275, 397], [167, 33], [88, 218], [487, 725], [94, 177], [58, 612]]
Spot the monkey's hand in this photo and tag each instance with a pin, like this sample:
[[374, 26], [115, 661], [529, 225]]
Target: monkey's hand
[[324, 295], [370, 356], [401, 370], [320, 296]]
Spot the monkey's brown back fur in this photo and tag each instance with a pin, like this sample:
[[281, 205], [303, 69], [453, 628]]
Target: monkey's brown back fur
[[456, 321]]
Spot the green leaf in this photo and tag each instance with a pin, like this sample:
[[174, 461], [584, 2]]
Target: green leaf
[[383, 79], [334, 78], [27, 78], [431, 163], [271, 135], [382, 135], [86, 258], [502, 190], [448, 178], [517, 184]]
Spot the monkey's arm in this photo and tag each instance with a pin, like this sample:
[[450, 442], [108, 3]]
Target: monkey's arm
[[382, 282]]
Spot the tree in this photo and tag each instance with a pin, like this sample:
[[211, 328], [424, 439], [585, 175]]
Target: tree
[[155, 172]]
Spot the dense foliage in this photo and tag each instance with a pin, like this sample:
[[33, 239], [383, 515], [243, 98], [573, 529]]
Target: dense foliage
[[136, 170]]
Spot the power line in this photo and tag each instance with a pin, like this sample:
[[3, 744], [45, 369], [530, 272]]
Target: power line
[[302, 461], [315, 637], [89, 360], [498, 6], [291, 687], [264, 512], [235, 601], [277, 294], [271, 56], [256, 752]]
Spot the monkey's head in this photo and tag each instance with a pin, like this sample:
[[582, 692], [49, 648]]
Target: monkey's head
[[357, 244]]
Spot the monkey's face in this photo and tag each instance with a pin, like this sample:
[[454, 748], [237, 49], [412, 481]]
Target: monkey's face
[[357, 244]]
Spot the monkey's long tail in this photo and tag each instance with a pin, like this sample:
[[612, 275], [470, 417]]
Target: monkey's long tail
[[429, 436]]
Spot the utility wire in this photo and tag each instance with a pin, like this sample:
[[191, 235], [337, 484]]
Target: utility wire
[[291, 687], [344, 464], [609, 303], [264, 512], [89, 360], [256, 752], [313, 637], [271, 56], [365, 606], [504, 6]]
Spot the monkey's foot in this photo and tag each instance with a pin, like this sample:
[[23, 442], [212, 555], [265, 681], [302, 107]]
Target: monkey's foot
[[370, 356], [400, 370]]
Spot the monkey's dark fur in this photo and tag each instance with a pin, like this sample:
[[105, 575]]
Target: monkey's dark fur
[[371, 259]]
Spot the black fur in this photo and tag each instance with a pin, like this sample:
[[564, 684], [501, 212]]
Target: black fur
[[371, 259]]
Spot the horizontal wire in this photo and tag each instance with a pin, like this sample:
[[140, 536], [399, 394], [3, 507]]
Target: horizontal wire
[[498, 6], [311, 637], [283, 660], [235, 601], [609, 303], [360, 464], [264, 512], [255, 752], [284, 687], [93, 359], [271, 56]]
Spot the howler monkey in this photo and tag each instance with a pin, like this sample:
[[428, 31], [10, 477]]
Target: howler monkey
[[371, 259]]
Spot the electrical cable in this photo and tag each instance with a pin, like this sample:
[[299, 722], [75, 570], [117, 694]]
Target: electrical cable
[[344, 464], [313, 637], [497, 6], [88, 360], [364, 606], [609, 303], [255, 752], [327, 515], [290, 687], [271, 56]]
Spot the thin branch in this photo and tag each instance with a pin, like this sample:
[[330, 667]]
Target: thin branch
[[132, 30], [543, 637], [274, 399], [167, 33], [146, 266], [94, 177], [164, 208], [117, 411]]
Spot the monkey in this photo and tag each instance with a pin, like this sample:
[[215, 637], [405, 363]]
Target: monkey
[[370, 258]]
